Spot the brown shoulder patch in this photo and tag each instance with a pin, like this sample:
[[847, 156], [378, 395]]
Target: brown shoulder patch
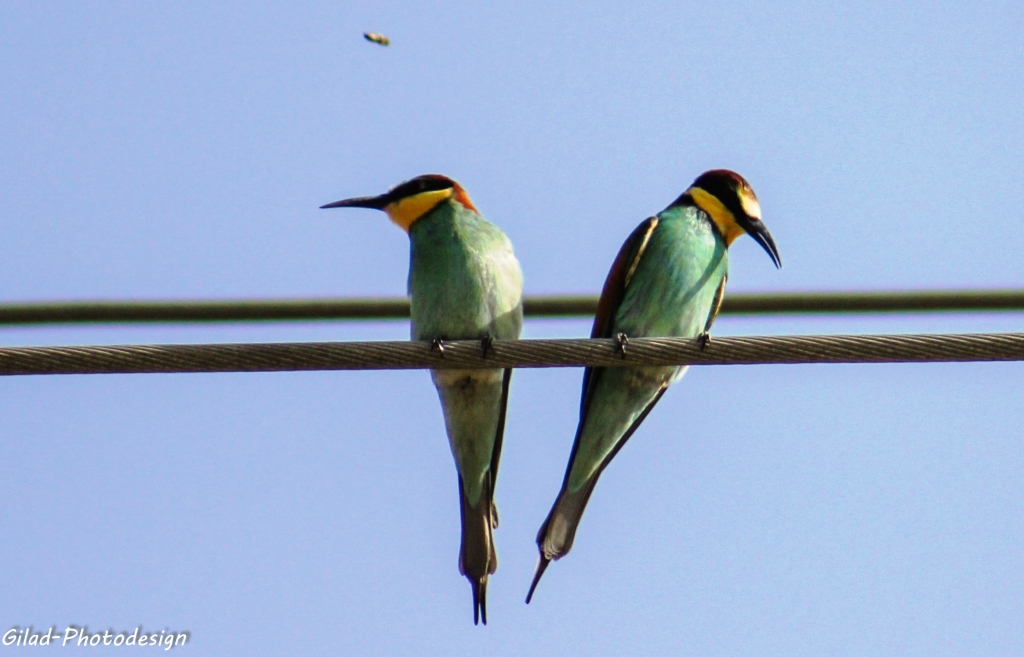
[[618, 277]]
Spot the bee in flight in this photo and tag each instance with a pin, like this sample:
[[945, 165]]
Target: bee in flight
[[377, 38]]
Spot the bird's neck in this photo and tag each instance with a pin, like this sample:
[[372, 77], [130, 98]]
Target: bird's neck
[[720, 216], [404, 212]]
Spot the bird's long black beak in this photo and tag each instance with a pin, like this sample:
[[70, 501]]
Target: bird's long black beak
[[756, 229], [375, 202]]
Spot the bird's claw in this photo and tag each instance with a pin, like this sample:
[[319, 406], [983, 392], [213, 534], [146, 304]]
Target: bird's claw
[[703, 340], [437, 344], [621, 342], [487, 344]]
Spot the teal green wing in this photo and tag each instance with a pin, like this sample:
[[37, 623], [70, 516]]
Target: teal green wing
[[612, 293], [556, 534], [716, 304], [677, 259], [500, 433]]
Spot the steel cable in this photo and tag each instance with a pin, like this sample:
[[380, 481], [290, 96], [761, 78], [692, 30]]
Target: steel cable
[[468, 354], [370, 308]]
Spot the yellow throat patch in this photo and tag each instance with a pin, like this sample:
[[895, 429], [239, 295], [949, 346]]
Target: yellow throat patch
[[723, 219], [407, 210]]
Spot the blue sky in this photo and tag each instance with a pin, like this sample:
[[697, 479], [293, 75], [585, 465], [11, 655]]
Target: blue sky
[[182, 151]]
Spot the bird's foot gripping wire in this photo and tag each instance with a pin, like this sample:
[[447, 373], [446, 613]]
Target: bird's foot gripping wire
[[621, 342], [487, 344], [437, 344], [703, 340]]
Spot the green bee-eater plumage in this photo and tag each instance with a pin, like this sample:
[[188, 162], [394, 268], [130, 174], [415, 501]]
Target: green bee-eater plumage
[[668, 280], [465, 284]]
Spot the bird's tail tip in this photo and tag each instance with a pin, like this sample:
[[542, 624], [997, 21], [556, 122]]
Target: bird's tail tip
[[477, 557], [542, 565], [479, 600]]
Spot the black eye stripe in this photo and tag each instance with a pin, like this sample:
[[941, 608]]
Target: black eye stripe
[[724, 185], [428, 183], [725, 188]]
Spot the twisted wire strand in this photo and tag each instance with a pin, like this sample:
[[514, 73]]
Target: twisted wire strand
[[468, 354]]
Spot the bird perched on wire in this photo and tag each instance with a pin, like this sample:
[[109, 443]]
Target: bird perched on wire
[[465, 284], [376, 37], [668, 280]]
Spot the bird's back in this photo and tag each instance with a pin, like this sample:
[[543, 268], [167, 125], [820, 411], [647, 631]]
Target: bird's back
[[670, 293], [464, 280], [465, 283], [673, 288]]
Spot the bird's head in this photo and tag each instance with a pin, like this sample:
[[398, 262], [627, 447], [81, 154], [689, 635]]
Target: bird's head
[[732, 205], [408, 201]]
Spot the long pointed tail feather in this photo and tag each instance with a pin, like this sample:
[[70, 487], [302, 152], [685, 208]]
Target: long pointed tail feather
[[554, 540], [479, 600], [542, 565], [477, 557]]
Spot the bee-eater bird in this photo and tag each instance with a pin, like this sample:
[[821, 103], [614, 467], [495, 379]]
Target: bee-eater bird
[[465, 284], [668, 280]]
